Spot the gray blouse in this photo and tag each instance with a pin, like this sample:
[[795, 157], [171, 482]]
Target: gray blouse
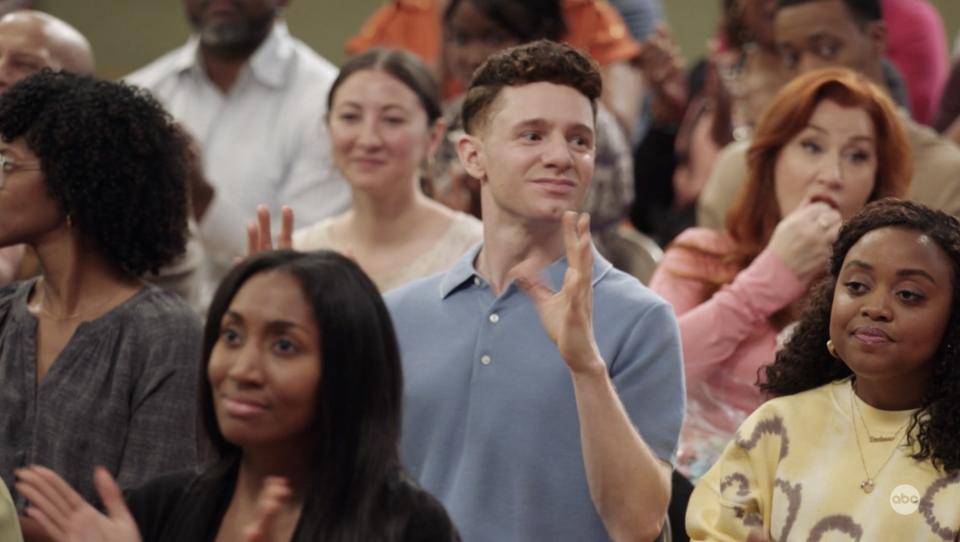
[[121, 394]]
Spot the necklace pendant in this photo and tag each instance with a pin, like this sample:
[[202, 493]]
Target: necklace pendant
[[881, 439], [867, 485]]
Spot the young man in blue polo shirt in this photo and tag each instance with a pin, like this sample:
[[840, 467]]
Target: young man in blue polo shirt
[[543, 388]]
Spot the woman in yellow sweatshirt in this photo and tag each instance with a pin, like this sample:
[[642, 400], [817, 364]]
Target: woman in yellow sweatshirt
[[862, 439], [9, 526]]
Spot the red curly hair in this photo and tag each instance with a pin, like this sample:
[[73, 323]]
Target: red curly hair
[[755, 213]]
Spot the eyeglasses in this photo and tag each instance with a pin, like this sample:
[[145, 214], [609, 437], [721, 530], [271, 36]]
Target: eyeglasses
[[9, 167]]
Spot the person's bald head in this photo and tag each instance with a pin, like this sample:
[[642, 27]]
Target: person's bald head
[[33, 40]]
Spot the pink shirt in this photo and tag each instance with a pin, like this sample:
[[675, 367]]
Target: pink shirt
[[917, 45], [726, 337]]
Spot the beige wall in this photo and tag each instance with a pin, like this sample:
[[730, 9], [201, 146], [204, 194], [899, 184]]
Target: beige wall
[[128, 33]]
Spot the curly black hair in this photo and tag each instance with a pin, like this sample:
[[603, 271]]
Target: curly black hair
[[804, 362], [112, 159]]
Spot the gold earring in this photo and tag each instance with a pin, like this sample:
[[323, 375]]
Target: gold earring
[[832, 349]]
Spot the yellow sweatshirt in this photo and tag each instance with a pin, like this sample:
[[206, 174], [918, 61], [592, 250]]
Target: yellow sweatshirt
[[794, 472], [9, 524]]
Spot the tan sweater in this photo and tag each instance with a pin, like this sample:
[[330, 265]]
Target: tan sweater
[[464, 232]]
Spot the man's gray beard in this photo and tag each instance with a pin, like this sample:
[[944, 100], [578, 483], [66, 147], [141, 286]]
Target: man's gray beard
[[242, 36], [227, 34]]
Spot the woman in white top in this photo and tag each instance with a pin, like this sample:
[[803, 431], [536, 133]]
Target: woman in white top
[[385, 121]]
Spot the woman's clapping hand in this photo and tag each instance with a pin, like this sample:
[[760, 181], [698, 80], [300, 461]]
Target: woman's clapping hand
[[66, 517]]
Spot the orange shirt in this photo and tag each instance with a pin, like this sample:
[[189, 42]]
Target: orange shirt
[[592, 25], [413, 25]]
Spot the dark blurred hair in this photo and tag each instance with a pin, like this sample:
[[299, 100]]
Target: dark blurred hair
[[533, 62], [864, 11], [804, 362], [356, 427], [526, 20], [732, 25], [403, 66], [112, 159]]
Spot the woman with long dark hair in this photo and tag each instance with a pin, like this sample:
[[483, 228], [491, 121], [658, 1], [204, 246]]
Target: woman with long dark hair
[[301, 401]]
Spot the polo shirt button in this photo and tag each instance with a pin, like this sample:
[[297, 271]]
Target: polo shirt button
[[494, 318], [476, 281], [485, 359]]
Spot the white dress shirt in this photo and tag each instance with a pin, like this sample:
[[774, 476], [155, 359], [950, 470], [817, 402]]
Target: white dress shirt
[[265, 141]]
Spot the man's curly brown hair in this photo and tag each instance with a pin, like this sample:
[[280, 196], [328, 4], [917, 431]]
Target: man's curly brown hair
[[112, 159], [534, 62], [804, 362]]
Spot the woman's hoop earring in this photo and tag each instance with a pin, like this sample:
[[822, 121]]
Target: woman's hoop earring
[[832, 349]]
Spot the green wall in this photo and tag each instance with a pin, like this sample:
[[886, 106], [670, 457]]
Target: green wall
[[128, 33]]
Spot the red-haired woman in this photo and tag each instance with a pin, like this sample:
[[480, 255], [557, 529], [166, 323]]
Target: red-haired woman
[[829, 143]]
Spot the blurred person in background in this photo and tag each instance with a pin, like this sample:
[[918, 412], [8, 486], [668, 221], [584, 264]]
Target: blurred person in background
[[946, 121], [252, 97], [917, 47], [591, 25], [814, 34], [696, 113], [385, 125]]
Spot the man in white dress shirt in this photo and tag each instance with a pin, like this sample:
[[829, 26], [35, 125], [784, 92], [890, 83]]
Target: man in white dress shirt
[[254, 98]]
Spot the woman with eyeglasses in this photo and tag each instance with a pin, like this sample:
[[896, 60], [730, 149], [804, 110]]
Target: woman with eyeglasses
[[97, 367]]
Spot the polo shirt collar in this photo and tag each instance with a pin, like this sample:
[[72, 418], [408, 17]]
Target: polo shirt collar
[[269, 63], [463, 272]]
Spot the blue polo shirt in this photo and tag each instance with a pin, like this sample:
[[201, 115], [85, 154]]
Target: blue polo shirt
[[490, 421]]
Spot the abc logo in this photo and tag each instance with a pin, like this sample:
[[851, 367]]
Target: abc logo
[[905, 499]]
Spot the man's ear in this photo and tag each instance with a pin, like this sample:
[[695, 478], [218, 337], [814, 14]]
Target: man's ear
[[470, 151], [877, 32]]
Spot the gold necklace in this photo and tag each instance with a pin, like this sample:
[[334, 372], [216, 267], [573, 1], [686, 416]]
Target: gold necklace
[[37, 307], [880, 438], [867, 484]]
